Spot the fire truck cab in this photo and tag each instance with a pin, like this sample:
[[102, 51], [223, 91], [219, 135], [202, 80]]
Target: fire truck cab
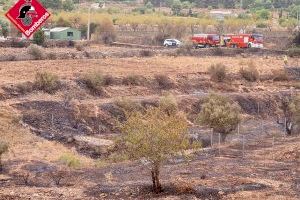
[[243, 40]]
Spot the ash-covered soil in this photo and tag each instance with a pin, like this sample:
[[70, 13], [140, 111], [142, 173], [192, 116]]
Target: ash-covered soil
[[258, 163]]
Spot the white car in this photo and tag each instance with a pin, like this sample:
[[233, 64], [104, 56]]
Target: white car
[[172, 43]]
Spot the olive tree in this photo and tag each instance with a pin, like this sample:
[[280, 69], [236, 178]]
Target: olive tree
[[220, 114], [3, 149], [155, 136]]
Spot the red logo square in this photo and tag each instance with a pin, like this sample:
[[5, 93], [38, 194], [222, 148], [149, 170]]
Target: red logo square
[[28, 16]]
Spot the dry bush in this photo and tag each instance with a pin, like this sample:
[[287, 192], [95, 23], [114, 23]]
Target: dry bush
[[185, 49], [183, 186], [47, 82], [133, 80], [169, 104], [36, 52], [79, 47], [106, 32], [250, 73], [280, 75], [24, 176], [164, 82], [52, 56], [108, 80], [218, 72], [59, 175], [3, 149], [94, 82], [217, 51], [24, 88], [128, 106], [146, 53]]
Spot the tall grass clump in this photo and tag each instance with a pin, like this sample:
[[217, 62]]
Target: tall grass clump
[[47, 82]]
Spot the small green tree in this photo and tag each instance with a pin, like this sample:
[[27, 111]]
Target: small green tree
[[220, 114], [68, 5], [176, 7], [39, 37], [3, 149], [155, 136]]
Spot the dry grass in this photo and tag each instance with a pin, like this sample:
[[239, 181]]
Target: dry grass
[[25, 70]]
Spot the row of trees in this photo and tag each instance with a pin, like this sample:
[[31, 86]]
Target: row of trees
[[245, 4]]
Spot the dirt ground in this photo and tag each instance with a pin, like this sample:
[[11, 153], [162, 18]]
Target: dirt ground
[[268, 169]]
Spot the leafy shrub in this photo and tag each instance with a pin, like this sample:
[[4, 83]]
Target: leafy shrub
[[39, 37], [220, 114], [249, 73], [35, 51], [47, 82], [163, 81], [69, 160], [133, 80], [217, 72], [156, 136], [168, 104]]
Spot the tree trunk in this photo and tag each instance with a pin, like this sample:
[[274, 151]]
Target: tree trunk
[[223, 137], [155, 178]]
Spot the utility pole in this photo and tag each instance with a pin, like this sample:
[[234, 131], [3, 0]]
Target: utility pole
[[89, 24]]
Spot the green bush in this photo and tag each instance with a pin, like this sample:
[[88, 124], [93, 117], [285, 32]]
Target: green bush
[[39, 37], [70, 160], [47, 82], [217, 72], [220, 114]]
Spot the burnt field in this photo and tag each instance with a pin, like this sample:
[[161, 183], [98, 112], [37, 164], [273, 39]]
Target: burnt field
[[72, 117]]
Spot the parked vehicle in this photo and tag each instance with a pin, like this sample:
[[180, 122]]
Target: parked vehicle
[[206, 40], [243, 40], [172, 43]]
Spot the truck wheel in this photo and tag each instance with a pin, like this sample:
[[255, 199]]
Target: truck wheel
[[233, 46], [249, 45], [207, 46]]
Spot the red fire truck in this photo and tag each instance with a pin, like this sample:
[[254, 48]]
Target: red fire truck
[[206, 40], [243, 40]]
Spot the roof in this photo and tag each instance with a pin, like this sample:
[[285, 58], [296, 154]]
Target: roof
[[59, 29]]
